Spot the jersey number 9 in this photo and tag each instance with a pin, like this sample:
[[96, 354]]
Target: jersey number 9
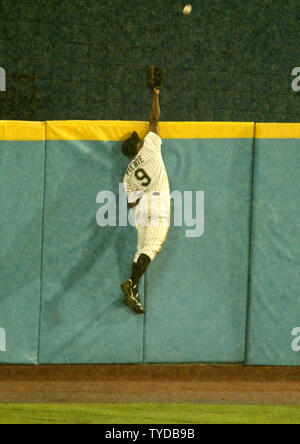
[[141, 175]]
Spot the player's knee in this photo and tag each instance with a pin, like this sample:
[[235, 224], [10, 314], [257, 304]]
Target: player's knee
[[144, 260]]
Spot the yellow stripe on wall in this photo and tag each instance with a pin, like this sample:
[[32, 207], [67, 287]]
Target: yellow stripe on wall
[[120, 130], [207, 130], [22, 131], [277, 131], [93, 129]]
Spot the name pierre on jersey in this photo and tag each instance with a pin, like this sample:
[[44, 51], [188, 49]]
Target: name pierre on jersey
[[139, 173]]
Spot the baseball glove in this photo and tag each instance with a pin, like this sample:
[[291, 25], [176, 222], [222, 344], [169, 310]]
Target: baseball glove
[[155, 77]]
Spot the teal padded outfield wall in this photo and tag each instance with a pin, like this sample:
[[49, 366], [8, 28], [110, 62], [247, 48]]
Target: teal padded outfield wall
[[197, 289], [83, 319], [21, 194], [274, 317], [224, 289]]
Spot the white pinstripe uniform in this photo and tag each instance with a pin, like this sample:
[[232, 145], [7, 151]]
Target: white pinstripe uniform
[[146, 179]]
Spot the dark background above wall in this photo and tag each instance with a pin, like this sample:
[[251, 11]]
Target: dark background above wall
[[86, 59]]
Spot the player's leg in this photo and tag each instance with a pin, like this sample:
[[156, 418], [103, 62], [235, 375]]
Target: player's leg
[[153, 240], [158, 225], [138, 269], [155, 237], [130, 287], [150, 241]]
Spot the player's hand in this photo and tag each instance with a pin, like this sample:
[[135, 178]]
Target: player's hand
[[156, 91], [134, 204]]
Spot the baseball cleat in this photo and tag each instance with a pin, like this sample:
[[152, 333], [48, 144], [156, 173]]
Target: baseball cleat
[[130, 299]]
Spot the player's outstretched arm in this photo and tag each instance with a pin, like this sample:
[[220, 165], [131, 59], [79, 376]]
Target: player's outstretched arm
[[155, 113]]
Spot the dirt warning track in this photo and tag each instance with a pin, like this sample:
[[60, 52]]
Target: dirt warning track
[[154, 383]]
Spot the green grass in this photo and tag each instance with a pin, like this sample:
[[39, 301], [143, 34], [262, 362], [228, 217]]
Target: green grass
[[147, 414]]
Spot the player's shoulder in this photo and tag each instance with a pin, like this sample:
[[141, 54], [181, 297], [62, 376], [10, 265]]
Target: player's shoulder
[[153, 138]]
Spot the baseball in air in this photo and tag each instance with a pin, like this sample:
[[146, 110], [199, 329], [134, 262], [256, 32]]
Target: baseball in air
[[187, 9]]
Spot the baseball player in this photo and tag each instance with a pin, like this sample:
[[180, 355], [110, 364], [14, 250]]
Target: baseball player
[[147, 187]]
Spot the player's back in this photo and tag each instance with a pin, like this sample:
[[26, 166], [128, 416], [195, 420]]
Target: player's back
[[147, 171]]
